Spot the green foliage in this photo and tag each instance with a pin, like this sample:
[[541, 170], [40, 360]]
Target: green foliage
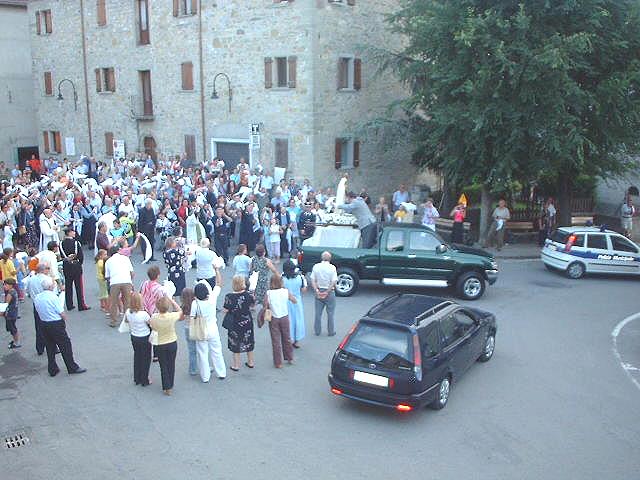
[[520, 90]]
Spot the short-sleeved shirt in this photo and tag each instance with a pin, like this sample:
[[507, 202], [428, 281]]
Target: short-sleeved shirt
[[278, 302], [138, 323], [204, 263], [12, 309], [242, 265], [8, 269], [48, 306], [164, 324], [324, 274], [118, 269]]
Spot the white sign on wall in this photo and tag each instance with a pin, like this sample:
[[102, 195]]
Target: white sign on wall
[[255, 142], [118, 149], [70, 146]]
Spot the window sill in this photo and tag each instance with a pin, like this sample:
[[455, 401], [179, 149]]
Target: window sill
[[108, 92], [193, 90], [281, 89], [284, 3], [185, 15], [347, 90], [338, 4], [351, 167], [48, 95]]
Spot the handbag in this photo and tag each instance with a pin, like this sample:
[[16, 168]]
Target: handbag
[[227, 321], [153, 338], [267, 315], [124, 325], [22, 230], [260, 319], [198, 327]]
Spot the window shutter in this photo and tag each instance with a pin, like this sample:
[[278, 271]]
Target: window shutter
[[351, 2], [98, 80], [357, 73], [48, 87], [176, 8], [57, 142], [108, 143], [356, 153], [38, 27], [187, 76], [190, 146], [194, 7], [338, 153], [111, 79], [102, 12], [45, 138], [47, 21], [342, 74], [268, 72], [293, 61]]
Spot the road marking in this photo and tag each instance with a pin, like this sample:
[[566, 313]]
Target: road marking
[[518, 260], [627, 367]]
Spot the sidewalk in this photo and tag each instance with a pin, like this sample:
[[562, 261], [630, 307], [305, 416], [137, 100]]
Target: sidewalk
[[520, 251]]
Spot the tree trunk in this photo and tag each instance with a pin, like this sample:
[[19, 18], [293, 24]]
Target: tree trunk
[[485, 213], [565, 195]]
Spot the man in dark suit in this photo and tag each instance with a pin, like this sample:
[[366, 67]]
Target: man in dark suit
[[72, 258], [147, 223]]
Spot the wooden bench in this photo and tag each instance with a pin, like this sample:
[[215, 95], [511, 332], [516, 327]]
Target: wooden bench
[[581, 220], [444, 226]]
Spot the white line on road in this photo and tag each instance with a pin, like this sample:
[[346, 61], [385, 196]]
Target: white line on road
[[627, 367]]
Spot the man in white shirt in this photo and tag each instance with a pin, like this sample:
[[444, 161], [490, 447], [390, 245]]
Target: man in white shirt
[[49, 257], [323, 280], [48, 228], [118, 271], [206, 262]]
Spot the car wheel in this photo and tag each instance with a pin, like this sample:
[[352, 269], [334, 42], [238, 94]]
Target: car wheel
[[575, 270], [347, 283], [488, 349], [470, 286], [443, 394]]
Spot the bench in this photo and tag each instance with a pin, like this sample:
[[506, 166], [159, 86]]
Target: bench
[[444, 227]]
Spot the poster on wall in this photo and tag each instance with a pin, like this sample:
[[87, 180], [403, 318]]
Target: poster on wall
[[118, 149], [70, 146]]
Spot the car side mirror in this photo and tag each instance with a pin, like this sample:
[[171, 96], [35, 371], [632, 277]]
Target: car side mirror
[[441, 248]]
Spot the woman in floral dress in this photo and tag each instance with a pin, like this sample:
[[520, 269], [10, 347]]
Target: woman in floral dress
[[262, 265], [238, 318], [175, 257]]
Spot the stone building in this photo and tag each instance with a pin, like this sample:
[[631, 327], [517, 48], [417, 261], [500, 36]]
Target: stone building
[[199, 76], [18, 126]]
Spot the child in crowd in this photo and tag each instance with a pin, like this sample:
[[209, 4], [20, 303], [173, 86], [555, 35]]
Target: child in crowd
[[7, 268], [103, 293], [274, 239], [21, 273], [11, 312], [7, 235], [242, 263]]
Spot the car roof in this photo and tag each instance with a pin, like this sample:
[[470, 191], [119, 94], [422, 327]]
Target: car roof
[[407, 308], [585, 230], [412, 226]]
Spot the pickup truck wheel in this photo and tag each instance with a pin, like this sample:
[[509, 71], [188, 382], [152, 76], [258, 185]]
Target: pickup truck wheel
[[470, 286], [347, 282]]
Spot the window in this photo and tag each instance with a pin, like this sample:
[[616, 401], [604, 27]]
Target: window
[[450, 330], [48, 83], [108, 144], [348, 2], [349, 73], [145, 87], [190, 147], [143, 22], [464, 322], [185, 7], [52, 141], [579, 242], [395, 241], [388, 346], [105, 79], [281, 154], [285, 71], [423, 241], [597, 241], [347, 153], [43, 22], [621, 244], [430, 341], [101, 12], [187, 75]]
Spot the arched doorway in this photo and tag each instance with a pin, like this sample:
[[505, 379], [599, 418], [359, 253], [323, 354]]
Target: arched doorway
[[633, 191], [150, 147]]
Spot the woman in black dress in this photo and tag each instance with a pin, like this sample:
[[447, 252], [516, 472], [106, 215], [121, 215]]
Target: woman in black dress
[[239, 322], [174, 258]]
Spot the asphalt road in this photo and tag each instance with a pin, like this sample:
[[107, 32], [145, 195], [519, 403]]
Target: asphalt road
[[553, 403]]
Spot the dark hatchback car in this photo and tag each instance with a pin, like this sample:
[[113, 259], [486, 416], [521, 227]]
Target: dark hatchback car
[[408, 350]]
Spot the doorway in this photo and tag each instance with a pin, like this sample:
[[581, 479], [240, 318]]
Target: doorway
[[24, 154], [150, 147], [231, 152]]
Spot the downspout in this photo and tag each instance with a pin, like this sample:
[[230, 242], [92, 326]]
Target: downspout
[[86, 79], [202, 117]]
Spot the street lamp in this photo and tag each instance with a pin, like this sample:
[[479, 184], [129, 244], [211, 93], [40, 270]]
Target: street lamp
[[75, 93], [214, 95]]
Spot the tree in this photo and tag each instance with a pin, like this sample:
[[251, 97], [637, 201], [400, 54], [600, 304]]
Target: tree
[[504, 90]]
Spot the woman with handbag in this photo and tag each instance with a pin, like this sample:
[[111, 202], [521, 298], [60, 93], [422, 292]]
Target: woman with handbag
[[138, 320], [276, 305], [204, 329], [239, 323], [262, 265], [164, 323], [152, 291], [297, 285]]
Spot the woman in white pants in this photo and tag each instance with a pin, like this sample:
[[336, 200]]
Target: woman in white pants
[[209, 351]]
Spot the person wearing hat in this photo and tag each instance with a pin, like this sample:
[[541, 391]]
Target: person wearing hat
[[72, 259], [306, 222]]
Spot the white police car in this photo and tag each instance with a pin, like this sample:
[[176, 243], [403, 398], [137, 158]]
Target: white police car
[[580, 250]]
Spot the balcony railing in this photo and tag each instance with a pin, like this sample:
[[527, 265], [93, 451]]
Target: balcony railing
[[141, 109]]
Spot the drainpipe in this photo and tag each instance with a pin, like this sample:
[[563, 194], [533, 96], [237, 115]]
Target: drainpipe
[[86, 79], [201, 62]]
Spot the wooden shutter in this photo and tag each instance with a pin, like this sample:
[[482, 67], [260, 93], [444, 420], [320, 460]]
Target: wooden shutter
[[187, 76], [194, 7], [293, 61], [357, 73], [101, 12], [48, 26], [338, 154], [268, 72], [45, 139], [110, 79], [57, 142], [351, 2], [108, 143], [343, 76], [356, 153], [98, 80], [190, 146], [38, 27], [176, 8], [48, 87]]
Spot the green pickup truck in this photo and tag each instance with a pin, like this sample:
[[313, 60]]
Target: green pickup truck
[[406, 255]]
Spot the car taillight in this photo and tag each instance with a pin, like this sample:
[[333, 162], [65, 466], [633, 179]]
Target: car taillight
[[417, 358], [346, 338], [392, 383], [300, 256], [336, 391], [404, 408], [570, 241]]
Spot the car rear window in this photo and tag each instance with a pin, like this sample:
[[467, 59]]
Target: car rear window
[[385, 345], [559, 236]]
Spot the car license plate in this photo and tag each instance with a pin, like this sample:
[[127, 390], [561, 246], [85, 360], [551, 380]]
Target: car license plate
[[370, 378], [552, 247]]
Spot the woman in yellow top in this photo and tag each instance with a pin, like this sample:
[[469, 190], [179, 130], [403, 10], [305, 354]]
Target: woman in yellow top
[[164, 322], [7, 268], [103, 292]]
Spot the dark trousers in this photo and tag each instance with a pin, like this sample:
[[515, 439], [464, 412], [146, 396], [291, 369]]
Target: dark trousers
[[150, 234], [221, 247], [211, 281], [280, 339], [141, 359], [55, 335], [167, 359], [369, 234], [73, 279], [40, 343]]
